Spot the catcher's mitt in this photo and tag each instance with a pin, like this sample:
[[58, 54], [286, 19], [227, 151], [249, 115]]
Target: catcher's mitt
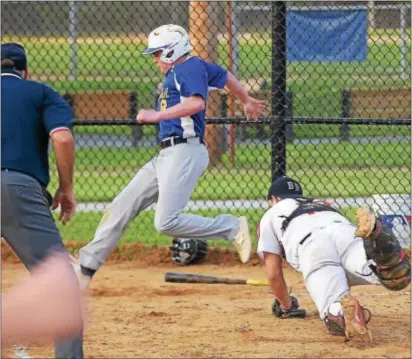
[[293, 312], [188, 251]]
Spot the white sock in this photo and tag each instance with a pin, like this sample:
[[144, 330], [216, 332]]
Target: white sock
[[336, 309]]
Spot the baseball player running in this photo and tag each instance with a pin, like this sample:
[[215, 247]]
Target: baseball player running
[[171, 176], [332, 255]]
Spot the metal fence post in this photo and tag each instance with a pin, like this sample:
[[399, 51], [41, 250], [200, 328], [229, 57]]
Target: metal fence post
[[278, 127], [289, 115], [346, 106], [235, 25], [73, 21], [156, 95], [136, 129], [403, 10], [224, 113]]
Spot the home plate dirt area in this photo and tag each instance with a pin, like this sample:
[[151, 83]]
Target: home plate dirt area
[[134, 313]]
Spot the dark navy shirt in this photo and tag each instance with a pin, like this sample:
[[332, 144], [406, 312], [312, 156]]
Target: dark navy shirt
[[30, 112], [193, 77]]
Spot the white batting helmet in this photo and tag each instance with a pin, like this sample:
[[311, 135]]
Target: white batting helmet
[[173, 40]]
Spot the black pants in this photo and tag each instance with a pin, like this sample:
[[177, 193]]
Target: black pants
[[28, 227]]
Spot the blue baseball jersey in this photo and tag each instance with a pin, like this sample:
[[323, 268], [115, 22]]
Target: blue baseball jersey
[[30, 112], [193, 77]]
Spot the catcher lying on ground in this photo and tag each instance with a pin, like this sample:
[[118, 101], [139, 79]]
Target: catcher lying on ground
[[332, 255]]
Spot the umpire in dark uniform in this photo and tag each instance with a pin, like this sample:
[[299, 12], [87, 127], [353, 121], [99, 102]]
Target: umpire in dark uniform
[[31, 113]]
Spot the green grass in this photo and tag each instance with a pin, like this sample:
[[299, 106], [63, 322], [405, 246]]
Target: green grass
[[327, 131], [261, 132], [95, 60], [317, 87], [325, 170], [141, 229], [146, 130]]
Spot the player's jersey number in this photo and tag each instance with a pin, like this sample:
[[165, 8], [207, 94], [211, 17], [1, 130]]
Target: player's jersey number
[[163, 104]]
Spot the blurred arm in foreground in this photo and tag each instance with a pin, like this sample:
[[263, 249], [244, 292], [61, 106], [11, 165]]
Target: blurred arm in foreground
[[47, 306]]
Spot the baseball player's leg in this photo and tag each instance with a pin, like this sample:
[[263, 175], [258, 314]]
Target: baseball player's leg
[[391, 262], [324, 276], [179, 168], [140, 193], [356, 264], [29, 228], [327, 284], [352, 255]]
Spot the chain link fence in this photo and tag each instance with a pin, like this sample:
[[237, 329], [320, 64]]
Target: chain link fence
[[335, 76]]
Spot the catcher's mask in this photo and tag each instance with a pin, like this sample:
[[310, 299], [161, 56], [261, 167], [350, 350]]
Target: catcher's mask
[[188, 251]]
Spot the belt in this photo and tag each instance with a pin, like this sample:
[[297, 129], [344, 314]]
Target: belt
[[305, 238], [309, 234], [173, 141]]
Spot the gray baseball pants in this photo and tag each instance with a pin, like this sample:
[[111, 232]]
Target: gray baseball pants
[[28, 227], [168, 179]]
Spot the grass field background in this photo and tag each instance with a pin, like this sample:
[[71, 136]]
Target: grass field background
[[142, 229], [325, 169], [109, 63]]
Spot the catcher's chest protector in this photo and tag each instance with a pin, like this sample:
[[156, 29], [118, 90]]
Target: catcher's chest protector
[[393, 266], [305, 207]]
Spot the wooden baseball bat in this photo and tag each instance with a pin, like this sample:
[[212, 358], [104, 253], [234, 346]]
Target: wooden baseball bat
[[206, 279]]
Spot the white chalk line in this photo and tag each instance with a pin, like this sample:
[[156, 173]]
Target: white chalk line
[[233, 204]]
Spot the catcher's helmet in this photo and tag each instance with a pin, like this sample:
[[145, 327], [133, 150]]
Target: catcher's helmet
[[172, 40], [16, 53], [188, 251]]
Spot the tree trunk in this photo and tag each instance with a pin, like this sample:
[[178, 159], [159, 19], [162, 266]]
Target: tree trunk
[[199, 24]]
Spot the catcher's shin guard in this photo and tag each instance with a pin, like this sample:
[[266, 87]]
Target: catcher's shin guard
[[393, 266]]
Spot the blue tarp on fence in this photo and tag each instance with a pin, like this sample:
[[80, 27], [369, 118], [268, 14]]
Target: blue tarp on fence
[[335, 35]]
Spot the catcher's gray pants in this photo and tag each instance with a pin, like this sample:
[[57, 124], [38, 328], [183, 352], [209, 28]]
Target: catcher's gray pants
[[168, 179], [28, 227]]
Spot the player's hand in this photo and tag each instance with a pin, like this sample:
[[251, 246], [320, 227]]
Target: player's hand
[[253, 108], [292, 312], [148, 116], [67, 204]]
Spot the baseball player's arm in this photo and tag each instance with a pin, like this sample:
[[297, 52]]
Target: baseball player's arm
[[57, 119], [187, 107], [236, 88], [63, 144], [273, 265], [253, 108], [48, 305]]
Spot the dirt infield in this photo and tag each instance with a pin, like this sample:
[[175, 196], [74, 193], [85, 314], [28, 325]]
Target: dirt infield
[[135, 314]]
